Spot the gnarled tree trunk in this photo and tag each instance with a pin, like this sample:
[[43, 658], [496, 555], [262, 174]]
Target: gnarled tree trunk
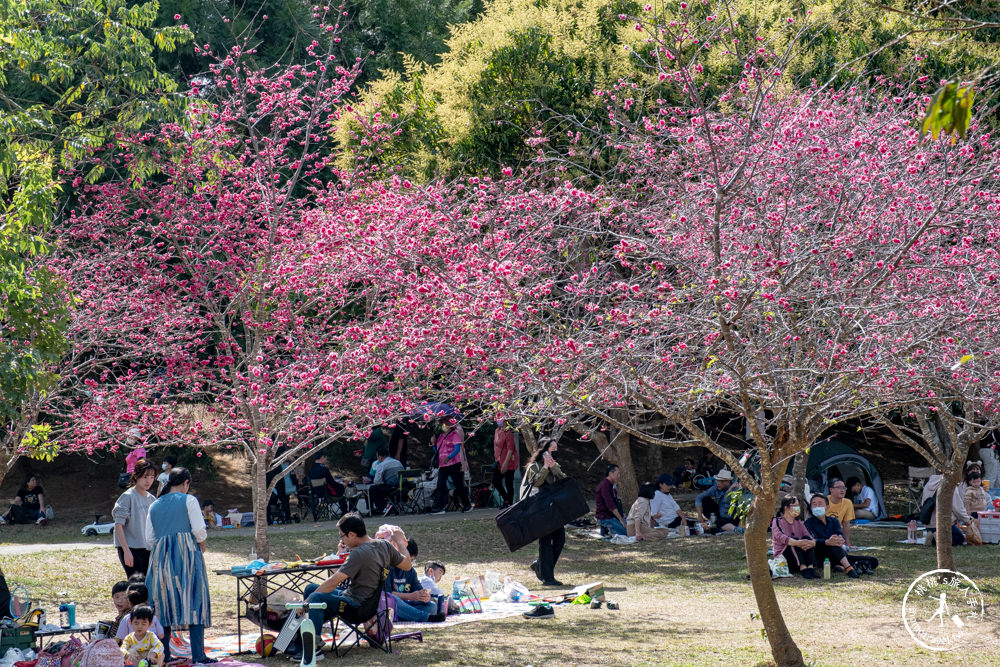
[[799, 475], [783, 648]]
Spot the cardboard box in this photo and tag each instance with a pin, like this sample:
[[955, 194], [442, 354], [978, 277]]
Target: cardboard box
[[595, 590]]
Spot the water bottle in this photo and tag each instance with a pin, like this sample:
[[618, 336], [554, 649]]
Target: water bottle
[[826, 568], [711, 519], [911, 532]]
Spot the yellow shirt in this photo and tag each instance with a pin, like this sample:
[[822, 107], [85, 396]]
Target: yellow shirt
[[149, 648], [842, 511]]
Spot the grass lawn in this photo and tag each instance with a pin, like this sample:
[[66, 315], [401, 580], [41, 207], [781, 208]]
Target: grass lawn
[[683, 601]]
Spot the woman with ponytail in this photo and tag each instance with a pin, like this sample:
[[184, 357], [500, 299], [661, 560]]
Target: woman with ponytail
[[178, 581]]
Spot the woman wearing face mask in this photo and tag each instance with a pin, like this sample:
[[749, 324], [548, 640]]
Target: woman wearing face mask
[[790, 537], [829, 537]]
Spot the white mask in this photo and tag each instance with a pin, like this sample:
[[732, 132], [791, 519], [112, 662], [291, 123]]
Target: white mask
[[819, 511]]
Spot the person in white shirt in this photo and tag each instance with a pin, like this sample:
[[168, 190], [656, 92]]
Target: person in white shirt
[[433, 574], [865, 502], [664, 509], [386, 479]]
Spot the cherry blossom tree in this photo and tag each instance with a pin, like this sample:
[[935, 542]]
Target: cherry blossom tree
[[234, 297], [770, 259]]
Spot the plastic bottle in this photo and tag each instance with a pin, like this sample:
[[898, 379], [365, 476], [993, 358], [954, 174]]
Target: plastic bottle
[[911, 532], [826, 568]]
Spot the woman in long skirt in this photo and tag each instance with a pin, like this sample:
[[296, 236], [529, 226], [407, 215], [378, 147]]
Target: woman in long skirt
[[177, 580]]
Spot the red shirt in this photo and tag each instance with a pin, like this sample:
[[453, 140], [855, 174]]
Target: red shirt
[[606, 497]]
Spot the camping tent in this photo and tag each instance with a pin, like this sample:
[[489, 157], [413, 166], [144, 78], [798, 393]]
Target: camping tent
[[831, 459]]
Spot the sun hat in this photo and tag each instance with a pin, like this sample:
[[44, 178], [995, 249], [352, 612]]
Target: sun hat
[[724, 474]]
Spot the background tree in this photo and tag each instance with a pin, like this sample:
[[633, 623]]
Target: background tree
[[72, 75]]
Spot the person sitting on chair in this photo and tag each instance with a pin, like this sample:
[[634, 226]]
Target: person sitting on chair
[[324, 485], [865, 502], [386, 479], [363, 567]]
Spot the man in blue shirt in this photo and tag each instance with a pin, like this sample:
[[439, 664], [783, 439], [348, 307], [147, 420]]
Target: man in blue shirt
[[717, 499]]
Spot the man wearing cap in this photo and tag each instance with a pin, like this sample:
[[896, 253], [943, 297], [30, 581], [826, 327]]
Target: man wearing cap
[[664, 509], [716, 500]]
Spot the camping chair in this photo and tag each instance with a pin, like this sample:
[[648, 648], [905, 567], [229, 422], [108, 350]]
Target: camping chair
[[323, 506], [401, 500], [918, 478], [355, 618]]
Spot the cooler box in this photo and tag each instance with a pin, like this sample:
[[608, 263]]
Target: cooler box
[[989, 527], [22, 638]]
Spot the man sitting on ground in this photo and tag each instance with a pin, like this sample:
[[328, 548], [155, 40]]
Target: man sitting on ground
[[865, 502], [717, 499], [840, 508], [363, 567], [386, 479], [608, 513]]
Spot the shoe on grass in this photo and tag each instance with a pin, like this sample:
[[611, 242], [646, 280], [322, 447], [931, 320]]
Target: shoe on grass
[[551, 582], [534, 568], [540, 611]]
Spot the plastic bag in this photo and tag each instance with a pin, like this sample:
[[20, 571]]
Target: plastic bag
[[515, 590], [493, 583], [622, 539], [779, 567]]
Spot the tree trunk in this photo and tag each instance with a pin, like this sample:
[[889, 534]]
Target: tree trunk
[[799, 476], [259, 487], [783, 648], [945, 492]]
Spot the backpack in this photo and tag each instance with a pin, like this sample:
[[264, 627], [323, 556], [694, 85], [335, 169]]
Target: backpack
[[101, 653], [863, 564]]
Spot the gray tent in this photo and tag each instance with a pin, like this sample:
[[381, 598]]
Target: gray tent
[[834, 459]]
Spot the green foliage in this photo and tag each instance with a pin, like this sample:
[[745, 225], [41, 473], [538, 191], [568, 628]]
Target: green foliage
[[950, 110], [526, 67], [37, 445], [73, 74]]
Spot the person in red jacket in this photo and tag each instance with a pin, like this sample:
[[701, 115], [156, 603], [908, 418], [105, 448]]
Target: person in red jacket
[[505, 461]]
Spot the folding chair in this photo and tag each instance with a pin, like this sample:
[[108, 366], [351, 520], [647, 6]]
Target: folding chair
[[324, 507], [377, 634], [400, 501], [918, 477]]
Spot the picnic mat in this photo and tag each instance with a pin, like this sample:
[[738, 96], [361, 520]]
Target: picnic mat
[[491, 611], [220, 647]]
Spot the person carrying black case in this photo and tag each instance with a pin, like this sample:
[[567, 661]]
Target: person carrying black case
[[548, 499]]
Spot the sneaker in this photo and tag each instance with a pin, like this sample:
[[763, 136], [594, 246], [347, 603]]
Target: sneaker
[[551, 582], [466, 509], [613, 606], [808, 574], [595, 604], [388, 509], [3, 521], [42, 521], [534, 568], [436, 618], [853, 574], [439, 512], [541, 611]]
